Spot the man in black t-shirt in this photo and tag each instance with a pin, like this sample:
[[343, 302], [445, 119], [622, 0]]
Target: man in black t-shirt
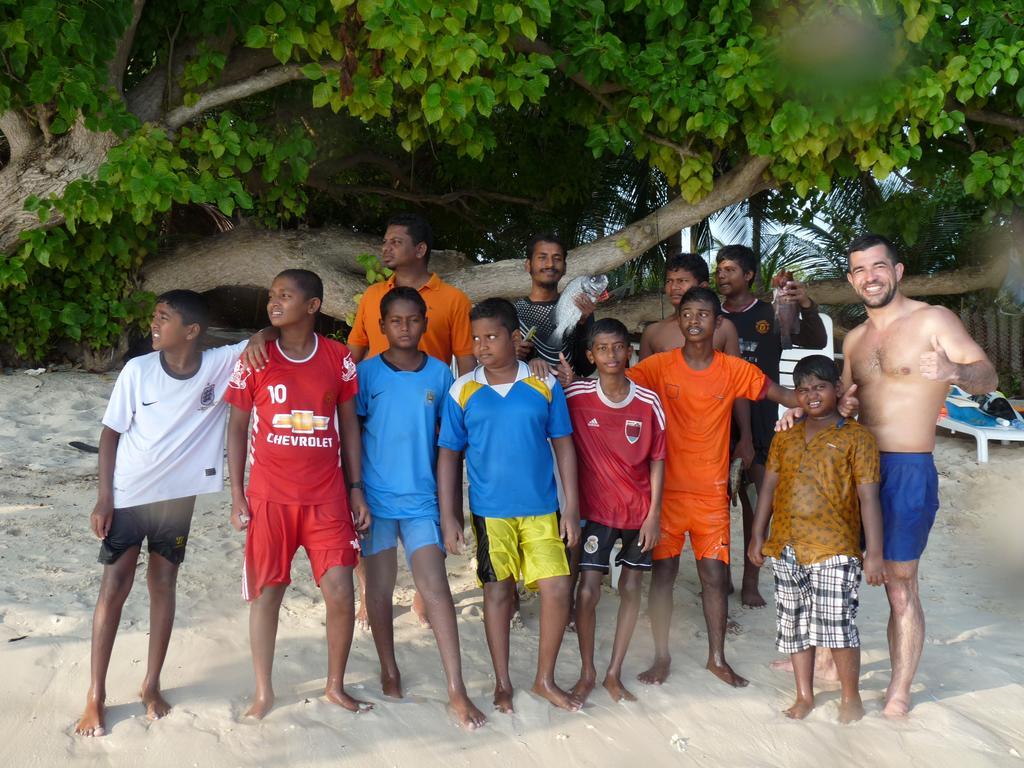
[[545, 263], [760, 344]]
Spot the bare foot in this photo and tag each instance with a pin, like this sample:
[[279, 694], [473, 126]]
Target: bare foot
[[657, 674], [420, 609], [896, 706], [851, 711], [362, 621], [464, 712], [91, 723], [260, 706], [584, 685], [342, 699], [557, 696], [616, 689], [503, 700], [824, 667], [391, 685], [799, 710], [725, 673], [751, 597], [156, 705]]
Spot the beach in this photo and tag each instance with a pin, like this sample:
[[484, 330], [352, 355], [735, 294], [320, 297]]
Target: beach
[[968, 705]]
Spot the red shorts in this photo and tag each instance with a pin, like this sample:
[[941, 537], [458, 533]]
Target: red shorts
[[705, 519], [276, 531]]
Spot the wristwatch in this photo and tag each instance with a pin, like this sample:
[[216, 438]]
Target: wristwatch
[[357, 484]]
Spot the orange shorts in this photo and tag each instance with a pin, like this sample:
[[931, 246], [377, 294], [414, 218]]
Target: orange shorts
[[276, 531], [705, 519]]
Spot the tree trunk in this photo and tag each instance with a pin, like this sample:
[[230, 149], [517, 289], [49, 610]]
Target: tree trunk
[[248, 257], [42, 170]]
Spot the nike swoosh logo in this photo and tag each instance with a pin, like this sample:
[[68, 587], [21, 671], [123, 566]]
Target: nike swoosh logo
[[376, 395], [145, 403]]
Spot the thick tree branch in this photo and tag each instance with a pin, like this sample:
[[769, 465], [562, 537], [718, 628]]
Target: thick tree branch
[[258, 83], [120, 61], [507, 278], [22, 135], [995, 118]]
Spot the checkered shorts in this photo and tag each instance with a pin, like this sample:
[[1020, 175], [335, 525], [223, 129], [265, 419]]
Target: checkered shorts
[[816, 604]]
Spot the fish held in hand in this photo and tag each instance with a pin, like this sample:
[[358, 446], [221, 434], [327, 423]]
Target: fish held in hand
[[567, 312], [787, 315]]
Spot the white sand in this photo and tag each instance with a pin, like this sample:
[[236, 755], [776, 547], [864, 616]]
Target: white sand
[[968, 700]]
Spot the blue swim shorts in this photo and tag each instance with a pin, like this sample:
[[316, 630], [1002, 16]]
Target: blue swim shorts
[[415, 532], [909, 494]]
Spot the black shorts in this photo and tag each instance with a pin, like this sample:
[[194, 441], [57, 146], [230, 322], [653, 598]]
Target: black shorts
[[598, 540], [164, 523]]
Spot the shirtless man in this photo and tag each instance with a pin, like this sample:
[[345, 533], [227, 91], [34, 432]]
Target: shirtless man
[[901, 362], [683, 272]]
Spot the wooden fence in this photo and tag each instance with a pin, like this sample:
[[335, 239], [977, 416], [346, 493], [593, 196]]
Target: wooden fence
[[1001, 335]]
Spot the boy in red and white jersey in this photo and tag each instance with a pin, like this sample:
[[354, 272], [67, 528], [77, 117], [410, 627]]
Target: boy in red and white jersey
[[618, 429], [296, 494]]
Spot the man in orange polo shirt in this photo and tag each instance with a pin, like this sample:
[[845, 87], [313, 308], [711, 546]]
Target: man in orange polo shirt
[[406, 250], [697, 387]]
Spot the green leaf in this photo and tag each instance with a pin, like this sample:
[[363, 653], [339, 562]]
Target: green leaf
[[322, 93], [313, 71], [274, 14], [256, 37], [528, 27]]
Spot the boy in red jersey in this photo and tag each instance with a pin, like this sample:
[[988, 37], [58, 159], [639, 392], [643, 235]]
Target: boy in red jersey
[[618, 429], [296, 494]]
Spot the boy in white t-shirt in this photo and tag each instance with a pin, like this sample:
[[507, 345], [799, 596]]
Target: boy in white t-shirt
[[162, 443]]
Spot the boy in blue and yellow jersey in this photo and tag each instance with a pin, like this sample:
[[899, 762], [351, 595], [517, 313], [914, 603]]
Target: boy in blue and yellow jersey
[[503, 417]]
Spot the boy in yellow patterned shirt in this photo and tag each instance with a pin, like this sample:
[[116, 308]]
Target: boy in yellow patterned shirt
[[820, 489]]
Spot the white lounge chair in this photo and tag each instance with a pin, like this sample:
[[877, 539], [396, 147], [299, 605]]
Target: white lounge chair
[[982, 435]]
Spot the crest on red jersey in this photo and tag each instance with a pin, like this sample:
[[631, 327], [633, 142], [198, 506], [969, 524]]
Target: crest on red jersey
[[633, 429], [239, 375]]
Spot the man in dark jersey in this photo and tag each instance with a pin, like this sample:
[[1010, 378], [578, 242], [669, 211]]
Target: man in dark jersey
[[760, 344], [545, 263]]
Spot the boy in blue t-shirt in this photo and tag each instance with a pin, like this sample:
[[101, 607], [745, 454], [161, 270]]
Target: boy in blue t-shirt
[[503, 416], [401, 392]]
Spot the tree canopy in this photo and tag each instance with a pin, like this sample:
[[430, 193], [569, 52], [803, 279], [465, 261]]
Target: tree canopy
[[502, 116]]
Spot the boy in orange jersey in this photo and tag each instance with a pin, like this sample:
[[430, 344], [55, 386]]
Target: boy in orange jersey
[[697, 387]]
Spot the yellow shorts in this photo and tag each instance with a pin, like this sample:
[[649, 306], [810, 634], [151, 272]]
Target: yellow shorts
[[507, 547]]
